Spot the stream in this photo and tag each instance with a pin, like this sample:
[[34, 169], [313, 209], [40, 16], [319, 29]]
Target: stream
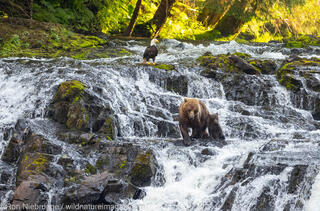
[[271, 160]]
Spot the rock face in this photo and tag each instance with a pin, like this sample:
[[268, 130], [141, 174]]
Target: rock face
[[239, 70], [267, 161], [299, 76], [85, 124], [73, 106], [234, 63], [33, 155]]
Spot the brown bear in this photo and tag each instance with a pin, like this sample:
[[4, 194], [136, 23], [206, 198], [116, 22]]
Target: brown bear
[[194, 114], [214, 127]]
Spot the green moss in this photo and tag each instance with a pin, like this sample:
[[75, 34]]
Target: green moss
[[108, 128], [123, 164], [109, 53], [11, 46], [219, 62], [70, 91], [167, 67], [73, 179], [102, 162], [109, 138], [35, 164], [81, 55], [295, 44], [302, 41], [286, 77], [144, 158], [242, 55], [46, 40], [90, 169]]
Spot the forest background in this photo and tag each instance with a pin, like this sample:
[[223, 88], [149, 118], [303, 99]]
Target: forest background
[[215, 20]]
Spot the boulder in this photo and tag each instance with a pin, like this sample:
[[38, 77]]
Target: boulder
[[143, 170], [267, 67], [99, 189], [32, 192], [230, 63], [77, 109]]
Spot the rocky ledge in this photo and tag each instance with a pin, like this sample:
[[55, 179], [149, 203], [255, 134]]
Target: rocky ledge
[[101, 170]]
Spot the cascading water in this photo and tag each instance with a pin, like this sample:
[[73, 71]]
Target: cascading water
[[249, 173]]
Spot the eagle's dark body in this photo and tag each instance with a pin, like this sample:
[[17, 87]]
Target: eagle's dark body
[[150, 53]]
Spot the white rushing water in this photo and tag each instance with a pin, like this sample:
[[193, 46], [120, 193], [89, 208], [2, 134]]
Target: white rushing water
[[140, 100]]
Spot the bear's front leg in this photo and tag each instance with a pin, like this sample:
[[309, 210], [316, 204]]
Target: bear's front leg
[[195, 133], [185, 135]]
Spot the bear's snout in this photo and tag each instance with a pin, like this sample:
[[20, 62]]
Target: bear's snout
[[191, 115]]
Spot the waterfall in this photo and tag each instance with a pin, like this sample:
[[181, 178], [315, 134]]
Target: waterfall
[[269, 139]]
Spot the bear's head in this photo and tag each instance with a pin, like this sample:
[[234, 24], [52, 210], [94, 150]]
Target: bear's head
[[192, 108], [214, 127]]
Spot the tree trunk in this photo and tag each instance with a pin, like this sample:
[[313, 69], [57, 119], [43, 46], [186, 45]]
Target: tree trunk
[[161, 15], [214, 11], [31, 9], [133, 20]]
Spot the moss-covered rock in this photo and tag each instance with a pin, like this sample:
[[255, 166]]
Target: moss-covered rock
[[226, 63], [302, 41], [168, 67], [242, 55], [143, 169], [69, 91], [33, 164], [286, 77], [74, 107], [108, 128], [290, 70], [267, 67], [90, 169]]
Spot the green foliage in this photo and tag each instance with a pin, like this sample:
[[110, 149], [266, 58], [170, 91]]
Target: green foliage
[[182, 24], [115, 16], [74, 13], [11, 46]]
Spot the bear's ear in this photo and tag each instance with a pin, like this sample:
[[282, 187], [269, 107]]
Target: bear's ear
[[216, 114], [185, 99]]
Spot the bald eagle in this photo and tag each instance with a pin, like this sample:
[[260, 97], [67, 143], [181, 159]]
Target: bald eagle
[[151, 52]]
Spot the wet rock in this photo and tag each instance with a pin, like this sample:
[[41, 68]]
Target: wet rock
[[167, 67], [243, 65], [286, 77], [20, 132], [67, 163], [168, 129], [290, 71], [267, 67], [178, 84], [208, 152], [102, 188], [256, 91], [316, 111], [267, 167], [296, 178], [235, 63], [230, 199], [77, 109], [30, 193], [89, 191], [33, 164], [144, 168], [265, 201]]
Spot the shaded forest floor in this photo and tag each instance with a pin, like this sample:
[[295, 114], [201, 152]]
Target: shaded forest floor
[[30, 38], [25, 38]]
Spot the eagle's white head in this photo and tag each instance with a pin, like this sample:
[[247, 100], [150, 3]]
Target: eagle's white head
[[153, 42]]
